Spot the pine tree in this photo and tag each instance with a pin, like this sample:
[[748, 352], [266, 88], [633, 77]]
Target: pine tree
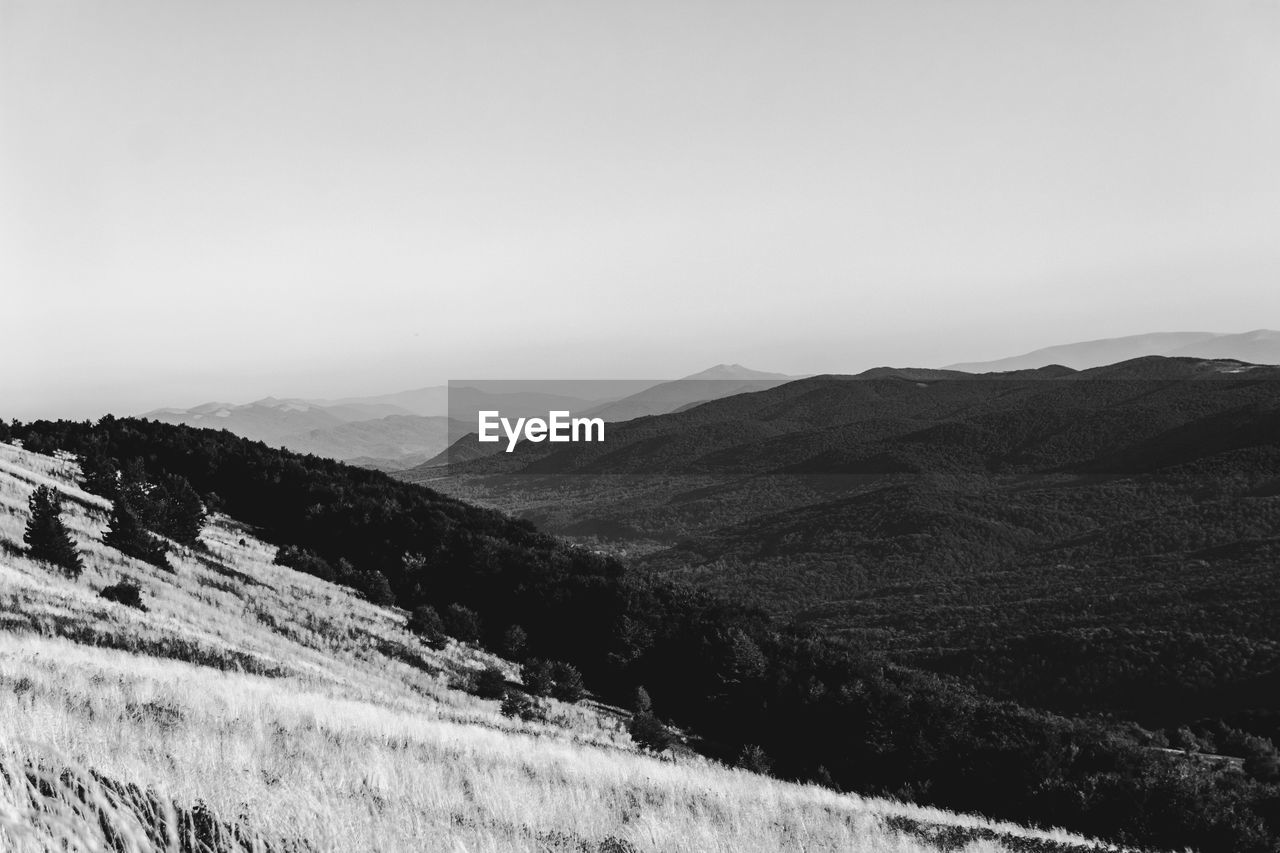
[[649, 733], [568, 682], [46, 536], [127, 535], [640, 701], [176, 510], [514, 642], [99, 474]]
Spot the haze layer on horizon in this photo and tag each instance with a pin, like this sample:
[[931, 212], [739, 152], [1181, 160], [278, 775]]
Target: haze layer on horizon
[[228, 200]]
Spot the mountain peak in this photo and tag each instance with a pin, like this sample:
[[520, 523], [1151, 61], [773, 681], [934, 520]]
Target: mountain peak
[[735, 371]]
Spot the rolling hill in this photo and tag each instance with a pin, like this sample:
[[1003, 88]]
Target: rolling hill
[[247, 706]]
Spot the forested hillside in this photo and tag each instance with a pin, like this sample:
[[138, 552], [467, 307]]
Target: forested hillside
[[223, 703], [1098, 541], [749, 687]]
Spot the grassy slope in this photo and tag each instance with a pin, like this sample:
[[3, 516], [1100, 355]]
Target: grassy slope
[[315, 717]]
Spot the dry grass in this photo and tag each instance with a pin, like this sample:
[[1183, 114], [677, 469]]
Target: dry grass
[[313, 720]]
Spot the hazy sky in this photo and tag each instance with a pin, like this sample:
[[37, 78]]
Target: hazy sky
[[223, 200]]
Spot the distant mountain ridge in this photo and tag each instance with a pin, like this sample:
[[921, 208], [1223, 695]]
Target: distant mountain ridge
[[405, 428], [736, 371], [714, 383], [1261, 346], [374, 433]]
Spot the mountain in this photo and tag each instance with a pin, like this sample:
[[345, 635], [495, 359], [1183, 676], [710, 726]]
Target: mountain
[[432, 401], [243, 705], [1261, 346], [526, 395], [407, 428], [723, 380], [374, 433], [390, 431], [391, 442], [736, 371], [268, 419], [1086, 520], [746, 687]]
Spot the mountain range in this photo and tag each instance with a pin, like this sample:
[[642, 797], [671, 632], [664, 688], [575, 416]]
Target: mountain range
[[959, 521], [1042, 595], [1261, 346], [404, 429]]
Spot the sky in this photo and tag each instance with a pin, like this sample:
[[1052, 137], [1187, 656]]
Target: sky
[[225, 200]]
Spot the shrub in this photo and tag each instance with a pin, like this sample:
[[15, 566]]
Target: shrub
[[649, 733], [520, 705], [125, 593], [46, 536], [754, 759], [490, 683], [302, 560]]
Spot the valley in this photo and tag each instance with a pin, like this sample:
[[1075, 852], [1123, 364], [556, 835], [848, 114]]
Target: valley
[[1056, 537]]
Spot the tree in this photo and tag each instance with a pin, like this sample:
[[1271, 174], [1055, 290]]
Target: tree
[[640, 702], [132, 483], [649, 733], [1260, 759], [490, 683], [462, 623], [374, 586], [126, 534], [514, 640], [46, 536], [537, 677], [177, 510], [427, 624], [99, 474], [568, 685]]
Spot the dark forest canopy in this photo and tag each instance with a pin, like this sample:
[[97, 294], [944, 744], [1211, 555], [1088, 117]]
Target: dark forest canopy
[[1083, 542], [743, 682]]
